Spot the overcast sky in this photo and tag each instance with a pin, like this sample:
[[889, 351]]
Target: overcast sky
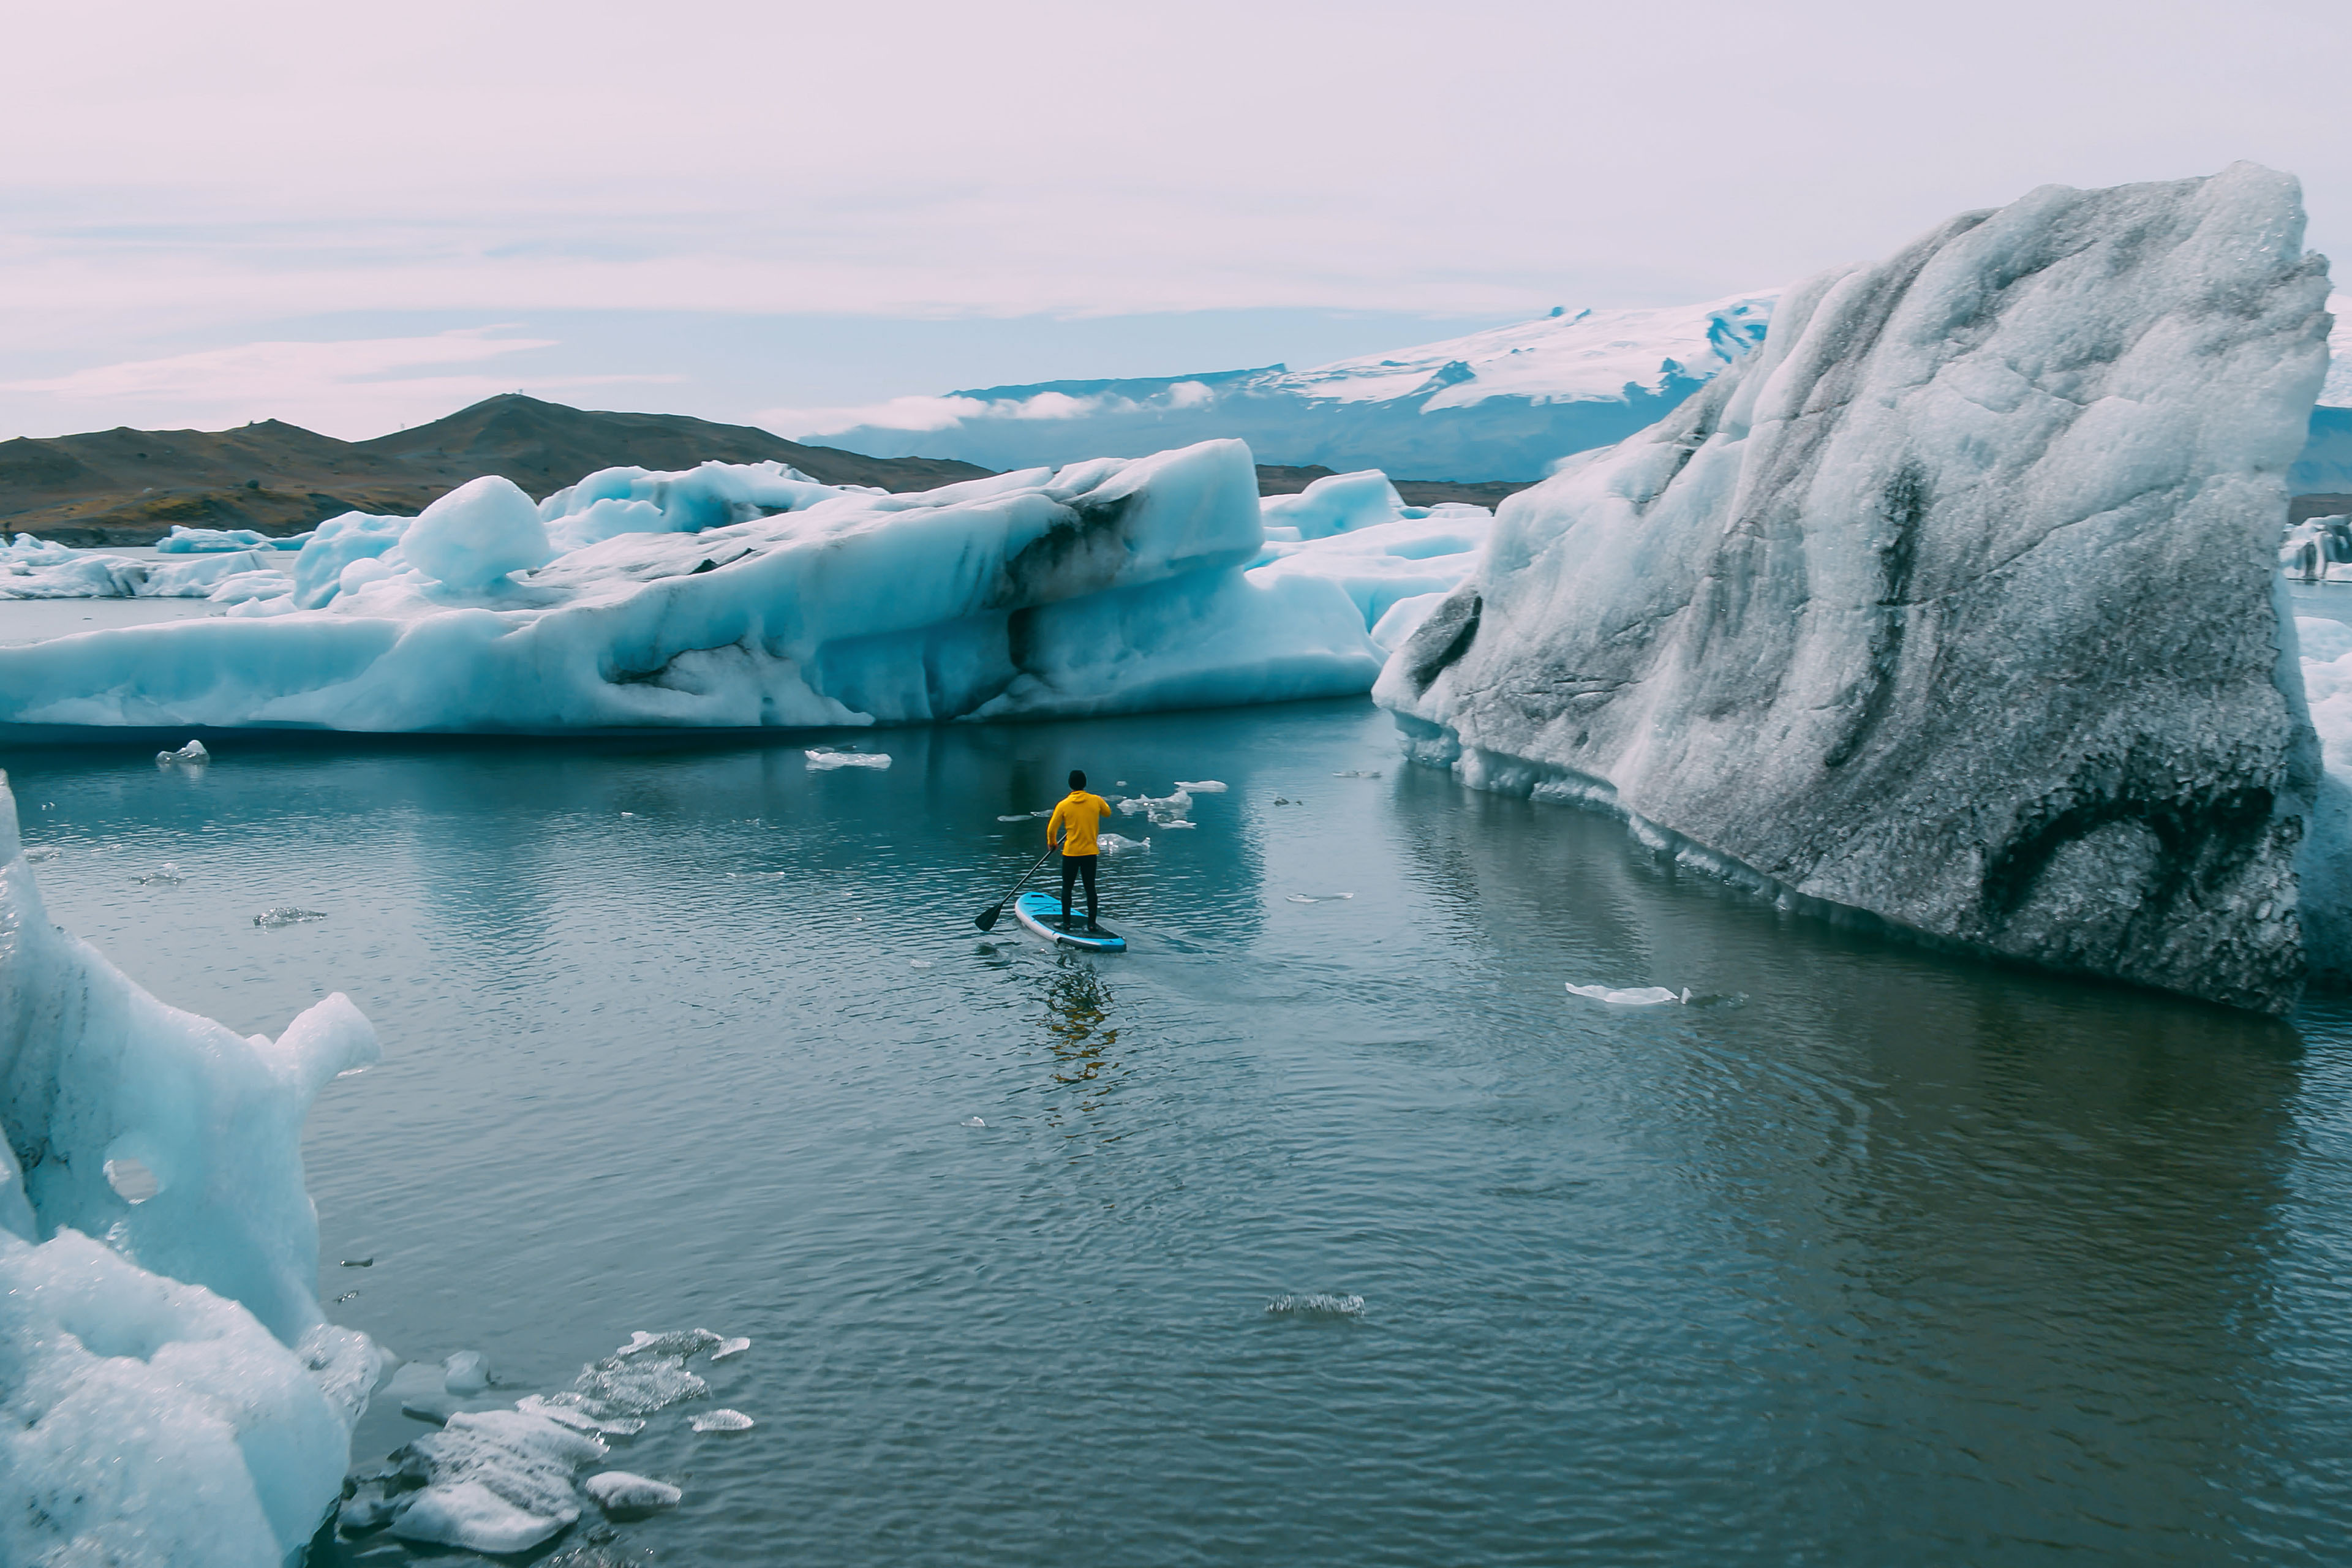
[[362, 216]]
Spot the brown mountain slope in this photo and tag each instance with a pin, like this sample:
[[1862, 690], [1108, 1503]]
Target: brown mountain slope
[[125, 487]]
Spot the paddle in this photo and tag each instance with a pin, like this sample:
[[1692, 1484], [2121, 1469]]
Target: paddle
[[986, 918]]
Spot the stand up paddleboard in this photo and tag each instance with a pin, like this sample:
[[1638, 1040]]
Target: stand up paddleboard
[[1041, 913]]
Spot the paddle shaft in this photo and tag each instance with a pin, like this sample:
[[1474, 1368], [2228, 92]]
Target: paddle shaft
[[986, 918]]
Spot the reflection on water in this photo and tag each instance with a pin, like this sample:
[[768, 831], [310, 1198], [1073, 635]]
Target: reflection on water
[[1886, 1257]]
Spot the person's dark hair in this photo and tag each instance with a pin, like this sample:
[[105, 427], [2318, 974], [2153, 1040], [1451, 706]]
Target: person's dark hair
[[1077, 778]]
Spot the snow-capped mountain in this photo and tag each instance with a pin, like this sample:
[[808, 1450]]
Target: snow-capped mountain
[[1501, 403]]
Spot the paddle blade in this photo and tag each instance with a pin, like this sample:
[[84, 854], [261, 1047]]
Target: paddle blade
[[986, 918]]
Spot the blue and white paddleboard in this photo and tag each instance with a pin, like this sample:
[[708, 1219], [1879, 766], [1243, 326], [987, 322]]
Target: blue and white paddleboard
[[1041, 913]]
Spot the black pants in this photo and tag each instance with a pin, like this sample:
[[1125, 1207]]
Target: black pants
[[1073, 868]]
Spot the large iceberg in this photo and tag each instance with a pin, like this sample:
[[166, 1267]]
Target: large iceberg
[[170, 1392], [1953, 604], [749, 596]]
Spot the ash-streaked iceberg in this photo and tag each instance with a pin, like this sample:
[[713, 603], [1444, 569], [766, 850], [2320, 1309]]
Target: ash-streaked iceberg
[[1954, 603], [170, 1392], [736, 596]]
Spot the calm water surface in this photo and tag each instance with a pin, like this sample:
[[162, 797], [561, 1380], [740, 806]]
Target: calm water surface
[[1866, 1257]]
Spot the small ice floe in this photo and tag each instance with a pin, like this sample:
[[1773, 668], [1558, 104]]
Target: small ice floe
[[1172, 822], [628, 813], [647, 1374], [1639, 996], [1201, 787], [919, 963], [731, 1347], [466, 1372], [825, 758], [494, 1481], [973, 1122], [1113, 844], [1317, 898], [722, 1421], [367, 1262], [285, 915], [194, 751], [620, 1493], [165, 876], [1317, 1304], [40, 852], [1358, 773], [1017, 817], [422, 1392]]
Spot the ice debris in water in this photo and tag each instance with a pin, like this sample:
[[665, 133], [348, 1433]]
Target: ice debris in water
[[919, 963], [165, 876], [285, 915], [722, 1421], [1201, 787], [1318, 897], [566, 1408], [194, 751], [731, 1347], [1358, 773], [1017, 817], [824, 759], [973, 1122], [494, 1481], [619, 1492], [1639, 996], [43, 852], [647, 1374], [1113, 844], [466, 1372], [1317, 1304]]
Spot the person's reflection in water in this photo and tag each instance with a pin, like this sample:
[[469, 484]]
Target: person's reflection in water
[[1077, 1010]]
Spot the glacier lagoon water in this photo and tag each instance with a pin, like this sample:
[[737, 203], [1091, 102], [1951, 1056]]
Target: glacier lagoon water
[[1868, 1255]]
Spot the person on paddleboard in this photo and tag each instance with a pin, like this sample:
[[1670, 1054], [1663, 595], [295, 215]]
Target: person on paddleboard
[[1072, 829]]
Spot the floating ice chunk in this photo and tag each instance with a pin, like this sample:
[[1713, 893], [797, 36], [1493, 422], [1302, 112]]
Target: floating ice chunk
[[183, 541], [919, 963], [1115, 844], [973, 1122], [165, 876], [619, 1492], [1171, 822], [731, 1347], [41, 852], [285, 915], [1639, 996], [1017, 816], [1318, 1305], [1317, 898], [722, 1421], [1174, 803], [194, 751], [1358, 773], [822, 760], [567, 1409], [647, 1374], [494, 1481], [1200, 786], [466, 1372]]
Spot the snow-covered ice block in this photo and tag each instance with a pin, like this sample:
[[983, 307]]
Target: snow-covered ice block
[[1953, 602], [494, 1481]]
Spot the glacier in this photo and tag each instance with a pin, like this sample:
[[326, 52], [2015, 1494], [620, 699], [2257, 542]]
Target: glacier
[[1506, 403], [173, 1394], [1890, 618], [750, 596]]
